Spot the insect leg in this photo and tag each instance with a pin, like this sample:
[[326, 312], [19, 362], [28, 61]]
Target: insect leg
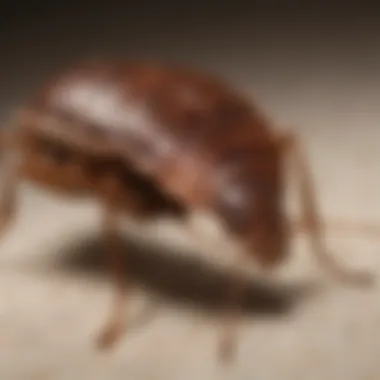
[[10, 178], [115, 325], [310, 218], [236, 288], [343, 227], [232, 316]]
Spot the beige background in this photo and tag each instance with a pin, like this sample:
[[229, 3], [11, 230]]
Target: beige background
[[322, 82]]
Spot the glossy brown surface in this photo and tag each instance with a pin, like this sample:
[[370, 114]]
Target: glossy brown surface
[[147, 139], [192, 136]]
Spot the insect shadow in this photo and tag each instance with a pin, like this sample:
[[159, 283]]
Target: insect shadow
[[183, 279]]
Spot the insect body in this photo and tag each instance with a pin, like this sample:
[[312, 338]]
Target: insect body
[[148, 139]]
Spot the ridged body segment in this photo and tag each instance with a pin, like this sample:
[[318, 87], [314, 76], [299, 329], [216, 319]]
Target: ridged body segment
[[196, 138]]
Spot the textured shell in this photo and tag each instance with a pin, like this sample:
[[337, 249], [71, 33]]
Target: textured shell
[[175, 124], [192, 136]]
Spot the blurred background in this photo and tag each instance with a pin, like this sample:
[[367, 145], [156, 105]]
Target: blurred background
[[313, 68]]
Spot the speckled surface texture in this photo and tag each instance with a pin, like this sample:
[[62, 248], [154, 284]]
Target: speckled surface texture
[[54, 295]]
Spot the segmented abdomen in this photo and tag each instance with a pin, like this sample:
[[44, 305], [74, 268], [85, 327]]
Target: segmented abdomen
[[167, 121]]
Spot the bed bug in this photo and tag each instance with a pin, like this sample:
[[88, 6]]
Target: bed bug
[[147, 139]]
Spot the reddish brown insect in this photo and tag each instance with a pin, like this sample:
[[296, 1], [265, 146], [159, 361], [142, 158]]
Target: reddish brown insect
[[148, 139]]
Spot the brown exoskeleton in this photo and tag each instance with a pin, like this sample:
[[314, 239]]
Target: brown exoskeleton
[[147, 139]]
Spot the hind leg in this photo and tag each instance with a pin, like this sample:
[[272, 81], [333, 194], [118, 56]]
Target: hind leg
[[343, 227], [311, 220]]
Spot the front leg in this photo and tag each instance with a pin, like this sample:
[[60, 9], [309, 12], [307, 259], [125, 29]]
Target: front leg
[[11, 173], [310, 218], [115, 324], [117, 200]]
